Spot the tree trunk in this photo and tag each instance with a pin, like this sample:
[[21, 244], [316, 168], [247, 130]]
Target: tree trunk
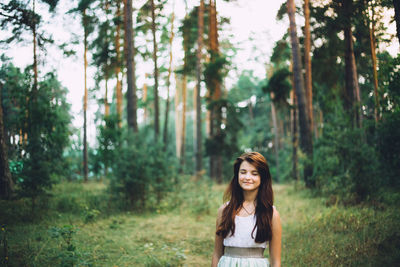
[[276, 135], [198, 132], [183, 132], [305, 130], [396, 4], [215, 95], [178, 118], [35, 70], [171, 38], [352, 92], [146, 111], [85, 99], [156, 111], [6, 182], [118, 87], [307, 62], [131, 93], [106, 105], [373, 56], [295, 142]]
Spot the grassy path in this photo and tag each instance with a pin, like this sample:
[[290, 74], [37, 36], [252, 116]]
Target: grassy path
[[313, 234]]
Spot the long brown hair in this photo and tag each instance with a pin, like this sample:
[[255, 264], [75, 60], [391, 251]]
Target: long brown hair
[[265, 199]]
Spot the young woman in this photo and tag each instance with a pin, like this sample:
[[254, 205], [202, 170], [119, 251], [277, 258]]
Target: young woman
[[248, 221]]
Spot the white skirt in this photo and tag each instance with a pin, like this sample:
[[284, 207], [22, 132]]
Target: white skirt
[[227, 261]]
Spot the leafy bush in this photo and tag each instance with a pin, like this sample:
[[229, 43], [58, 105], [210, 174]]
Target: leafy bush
[[142, 172], [69, 254], [388, 146], [345, 164]]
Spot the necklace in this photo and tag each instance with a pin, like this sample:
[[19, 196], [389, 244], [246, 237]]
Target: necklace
[[249, 213]]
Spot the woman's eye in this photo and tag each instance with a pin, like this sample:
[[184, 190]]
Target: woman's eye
[[255, 173]]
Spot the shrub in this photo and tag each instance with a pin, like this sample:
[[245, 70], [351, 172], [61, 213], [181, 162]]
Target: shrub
[[142, 172], [345, 164], [388, 146]]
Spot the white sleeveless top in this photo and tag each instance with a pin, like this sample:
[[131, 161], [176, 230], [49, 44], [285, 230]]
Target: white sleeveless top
[[242, 237]]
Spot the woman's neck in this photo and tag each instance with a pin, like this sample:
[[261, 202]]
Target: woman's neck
[[250, 196]]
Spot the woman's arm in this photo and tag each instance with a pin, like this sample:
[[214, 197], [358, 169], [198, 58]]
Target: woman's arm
[[219, 241], [275, 243]]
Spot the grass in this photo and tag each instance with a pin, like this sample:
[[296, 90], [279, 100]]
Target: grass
[[80, 226]]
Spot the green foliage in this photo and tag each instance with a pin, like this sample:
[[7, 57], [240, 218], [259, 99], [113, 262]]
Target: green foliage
[[48, 122], [16, 168], [108, 138], [345, 164], [90, 214], [181, 233], [68, 255], [215, 70], [142, 173], [40, 117], [388, 146], [281, 53], [280, 86]]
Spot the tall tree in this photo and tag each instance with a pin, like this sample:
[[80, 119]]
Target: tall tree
[[183, 121], [6, 182], [276, 133], [22, 17], [307, 62], [35, 70], [352, 88], [293, 116], [156, 108], [178, 118], [87, 24], [372, 40], [198, 132], [215, 94], [396, 5], [85, 97], [186, 37], [118, 87], [171, 38], [305, 130], [130, 54]]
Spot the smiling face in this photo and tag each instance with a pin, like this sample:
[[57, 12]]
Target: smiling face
[[249, 178]]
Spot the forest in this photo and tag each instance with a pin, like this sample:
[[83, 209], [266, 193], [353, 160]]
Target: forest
[[136, 175]]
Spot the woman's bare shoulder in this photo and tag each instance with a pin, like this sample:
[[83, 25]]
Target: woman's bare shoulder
[[275, 214]]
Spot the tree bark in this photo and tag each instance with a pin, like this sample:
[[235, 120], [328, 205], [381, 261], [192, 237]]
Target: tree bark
[[295, 142], [146, 110], [156, 109], [106, 105], [178, 118], [373, 57], [131, 93], [215, 95], [118, 87], [352, 92], [183, 132], [85, 98], [276, 135], [198, 132], [396, 4], [307, 62], [6, 182], [35, 70], [305, 130], [171, 38]]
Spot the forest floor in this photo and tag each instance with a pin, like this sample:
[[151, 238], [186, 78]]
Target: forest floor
[[70, 229]]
